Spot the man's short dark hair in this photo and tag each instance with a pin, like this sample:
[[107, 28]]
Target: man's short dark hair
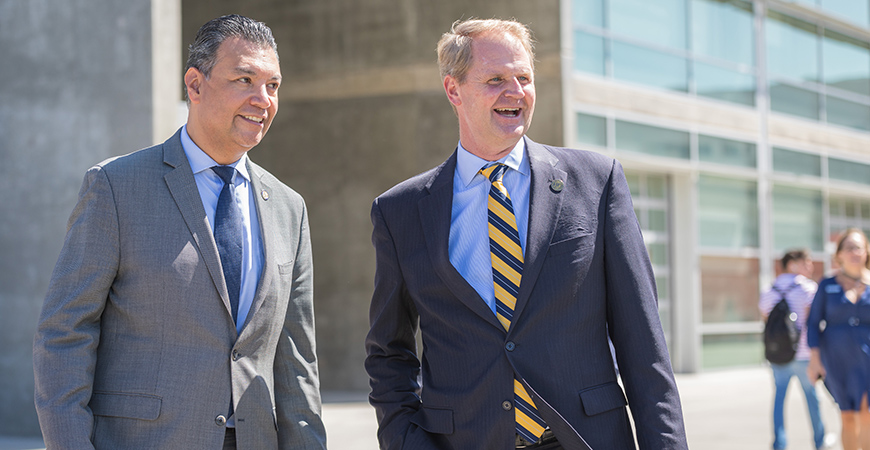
[[202, 54], [798, 254]]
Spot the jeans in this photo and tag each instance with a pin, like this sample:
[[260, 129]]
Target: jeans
[[781, 376]]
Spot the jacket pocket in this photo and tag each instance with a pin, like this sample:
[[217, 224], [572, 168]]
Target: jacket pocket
[[119, 404], [601, 398], [582, 241], [285, 268], [434, 420]]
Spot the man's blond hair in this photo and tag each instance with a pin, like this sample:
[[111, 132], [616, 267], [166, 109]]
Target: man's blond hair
[[454, 48]]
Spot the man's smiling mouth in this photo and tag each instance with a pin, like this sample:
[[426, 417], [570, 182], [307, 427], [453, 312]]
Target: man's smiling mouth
[[254, 119], [509, 112]]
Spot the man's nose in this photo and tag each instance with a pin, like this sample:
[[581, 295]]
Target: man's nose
[[261, 97], [514, 88]]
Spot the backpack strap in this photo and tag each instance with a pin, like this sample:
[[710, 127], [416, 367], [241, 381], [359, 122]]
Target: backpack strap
[[783, 294]]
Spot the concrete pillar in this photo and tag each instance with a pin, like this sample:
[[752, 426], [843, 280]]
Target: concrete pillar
[[77, 89]]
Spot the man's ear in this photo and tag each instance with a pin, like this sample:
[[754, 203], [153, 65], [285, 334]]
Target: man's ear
[[451, 87], [193, 79]]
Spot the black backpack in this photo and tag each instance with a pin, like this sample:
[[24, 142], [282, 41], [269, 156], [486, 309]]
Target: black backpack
[[781, 332]]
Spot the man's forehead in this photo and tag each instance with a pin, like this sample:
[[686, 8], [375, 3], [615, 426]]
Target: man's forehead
[[492, 49], [245, 57]]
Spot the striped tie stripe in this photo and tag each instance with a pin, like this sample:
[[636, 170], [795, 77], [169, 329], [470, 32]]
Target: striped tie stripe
[[507, 269]]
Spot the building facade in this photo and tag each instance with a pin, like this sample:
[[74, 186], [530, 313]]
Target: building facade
[[743, 127]]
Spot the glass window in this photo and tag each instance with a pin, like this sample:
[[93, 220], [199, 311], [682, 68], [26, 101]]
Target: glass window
[[649, 194], [728, 212], [795, 101], [645, 66], [658, 220], [661, 22], [658, 254], [855, 172], [847, 212], [729, 289], [726, 151], [797, 218], [591, 130], [846, 62], [792, 49], [657, 187], [729, 350], [836, 207], [588, 12], [588, 53], [798, 163], [846, 113], [723, 84], [855, 11], [652, 140], [723, 29], [851, 211], [633, 186]]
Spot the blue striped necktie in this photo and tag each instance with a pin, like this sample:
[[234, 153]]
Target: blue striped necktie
[[507, 270]]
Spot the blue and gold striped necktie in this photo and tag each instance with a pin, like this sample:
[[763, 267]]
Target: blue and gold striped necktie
[[507, 271]]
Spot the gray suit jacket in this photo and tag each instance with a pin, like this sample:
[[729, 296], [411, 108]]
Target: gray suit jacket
[[136, 347], [586, 276]]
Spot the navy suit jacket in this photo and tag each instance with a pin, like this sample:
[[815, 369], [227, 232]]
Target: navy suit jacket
[[586, 276]]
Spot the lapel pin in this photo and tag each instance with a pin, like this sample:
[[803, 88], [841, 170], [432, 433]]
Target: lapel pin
[[557, 185], [264, 194]]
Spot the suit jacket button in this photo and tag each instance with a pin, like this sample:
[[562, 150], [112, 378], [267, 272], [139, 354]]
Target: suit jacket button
[[220, 420], [506, 405], [236, 355], [510, 346]]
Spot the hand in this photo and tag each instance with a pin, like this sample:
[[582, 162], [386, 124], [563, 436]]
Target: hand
[[815, 369]]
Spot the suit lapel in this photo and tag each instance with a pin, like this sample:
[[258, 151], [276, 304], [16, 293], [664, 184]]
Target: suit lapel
[[435, 213], [268, 222], [544, 207], [182, 187]]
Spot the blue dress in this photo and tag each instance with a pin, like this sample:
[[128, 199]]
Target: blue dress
[[844, 344]]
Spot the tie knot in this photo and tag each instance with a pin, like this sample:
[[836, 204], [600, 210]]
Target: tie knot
[[494, 172], [225, 172]]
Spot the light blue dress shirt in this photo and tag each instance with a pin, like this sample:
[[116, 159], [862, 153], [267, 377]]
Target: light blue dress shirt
[[468, 245], [209, 185]]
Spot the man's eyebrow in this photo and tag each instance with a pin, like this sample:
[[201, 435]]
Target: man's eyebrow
[[252, 72]]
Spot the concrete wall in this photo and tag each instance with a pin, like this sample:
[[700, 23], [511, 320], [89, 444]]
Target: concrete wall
[[361, 110], [77, 89]]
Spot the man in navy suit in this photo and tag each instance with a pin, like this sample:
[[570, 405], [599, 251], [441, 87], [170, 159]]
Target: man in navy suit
[[516, 261]]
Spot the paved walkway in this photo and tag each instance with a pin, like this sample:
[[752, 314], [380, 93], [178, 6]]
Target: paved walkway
[[724, 410]]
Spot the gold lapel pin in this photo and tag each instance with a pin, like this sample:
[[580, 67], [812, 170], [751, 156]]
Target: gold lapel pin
[[557, 185], [264, 194]]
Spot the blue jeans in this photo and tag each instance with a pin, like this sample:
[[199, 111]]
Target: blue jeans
[[781, 376]]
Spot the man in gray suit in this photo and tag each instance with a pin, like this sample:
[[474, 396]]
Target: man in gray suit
[[179, 315], [516, 261]]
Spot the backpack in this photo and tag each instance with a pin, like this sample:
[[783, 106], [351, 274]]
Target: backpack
[[781, 332]]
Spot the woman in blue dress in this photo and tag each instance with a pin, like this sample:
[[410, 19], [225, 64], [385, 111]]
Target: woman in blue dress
[[840, 350]]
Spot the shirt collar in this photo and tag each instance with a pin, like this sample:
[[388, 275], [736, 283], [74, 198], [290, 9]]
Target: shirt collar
[[468, 165], [200, 161]]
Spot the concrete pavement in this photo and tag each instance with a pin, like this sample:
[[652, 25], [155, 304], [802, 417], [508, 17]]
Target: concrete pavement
[[723, 410]]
